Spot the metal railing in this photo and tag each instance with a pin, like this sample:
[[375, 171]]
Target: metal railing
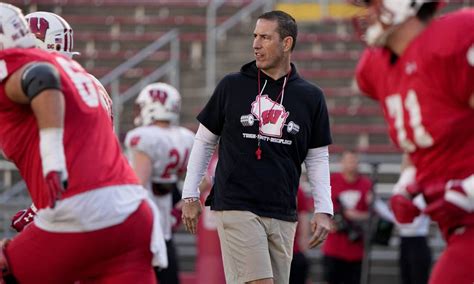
[[215, 31], [171, 67]]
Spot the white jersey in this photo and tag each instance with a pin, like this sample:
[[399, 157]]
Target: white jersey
[[168, 149]]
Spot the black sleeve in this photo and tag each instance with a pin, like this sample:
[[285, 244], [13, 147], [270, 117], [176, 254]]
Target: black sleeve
[[39, 77], [320, 132], [213, 114]]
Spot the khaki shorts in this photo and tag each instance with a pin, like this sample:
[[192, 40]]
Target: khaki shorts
[[255, 247]]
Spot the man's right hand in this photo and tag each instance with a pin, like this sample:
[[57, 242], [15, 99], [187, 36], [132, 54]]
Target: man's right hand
[[23, 218], [191, 212]]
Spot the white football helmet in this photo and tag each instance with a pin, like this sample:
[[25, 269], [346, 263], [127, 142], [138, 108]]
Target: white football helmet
[[390, 14], [14, 32], [158, 101], [52, 32]]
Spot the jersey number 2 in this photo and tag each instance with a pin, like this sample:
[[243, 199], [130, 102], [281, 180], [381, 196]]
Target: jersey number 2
[[176, 163], [396, 107]]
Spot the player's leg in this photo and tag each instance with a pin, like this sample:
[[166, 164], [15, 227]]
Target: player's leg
[[244, 247], [110, 251], [281, 235], [415, 256], [128, 260], [455, 263], [299, 269], [170, 274], [352, 272], [332, 269], [32, 253], [404, 260]]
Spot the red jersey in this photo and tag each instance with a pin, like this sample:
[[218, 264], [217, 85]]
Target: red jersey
[[93, 154], [352, 195], [425, 97]]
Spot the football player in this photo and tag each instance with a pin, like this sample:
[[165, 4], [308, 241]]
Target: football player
[[95, 222], [54, 34], [421, 68], [159, 151]]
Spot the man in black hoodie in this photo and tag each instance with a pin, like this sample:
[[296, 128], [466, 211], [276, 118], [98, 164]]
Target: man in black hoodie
[[267, 121]]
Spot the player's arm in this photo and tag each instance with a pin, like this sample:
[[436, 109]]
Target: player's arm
[[39, 85], [142, 165], [356, 215]]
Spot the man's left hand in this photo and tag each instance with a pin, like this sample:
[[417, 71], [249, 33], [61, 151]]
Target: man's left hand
[[320, 227], [458, 201]]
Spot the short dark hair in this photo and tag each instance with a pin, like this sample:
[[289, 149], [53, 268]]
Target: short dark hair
[[286, 24]]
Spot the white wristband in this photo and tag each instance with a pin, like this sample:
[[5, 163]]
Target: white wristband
[[52, 151]]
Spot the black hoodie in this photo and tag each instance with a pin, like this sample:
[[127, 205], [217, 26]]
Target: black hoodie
[[292, 123]]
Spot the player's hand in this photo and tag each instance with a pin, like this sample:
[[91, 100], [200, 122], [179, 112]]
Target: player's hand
[[191, 212], [56, 185], [402, 205], [404, 209], [23, 218], [456, 202], [320, 226]]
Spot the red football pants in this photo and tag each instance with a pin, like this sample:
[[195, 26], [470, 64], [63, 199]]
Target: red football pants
[[456, 263], [117, 254]]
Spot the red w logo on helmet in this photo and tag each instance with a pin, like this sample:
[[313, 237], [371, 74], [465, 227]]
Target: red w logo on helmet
[[159, 95], [39, 26]]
